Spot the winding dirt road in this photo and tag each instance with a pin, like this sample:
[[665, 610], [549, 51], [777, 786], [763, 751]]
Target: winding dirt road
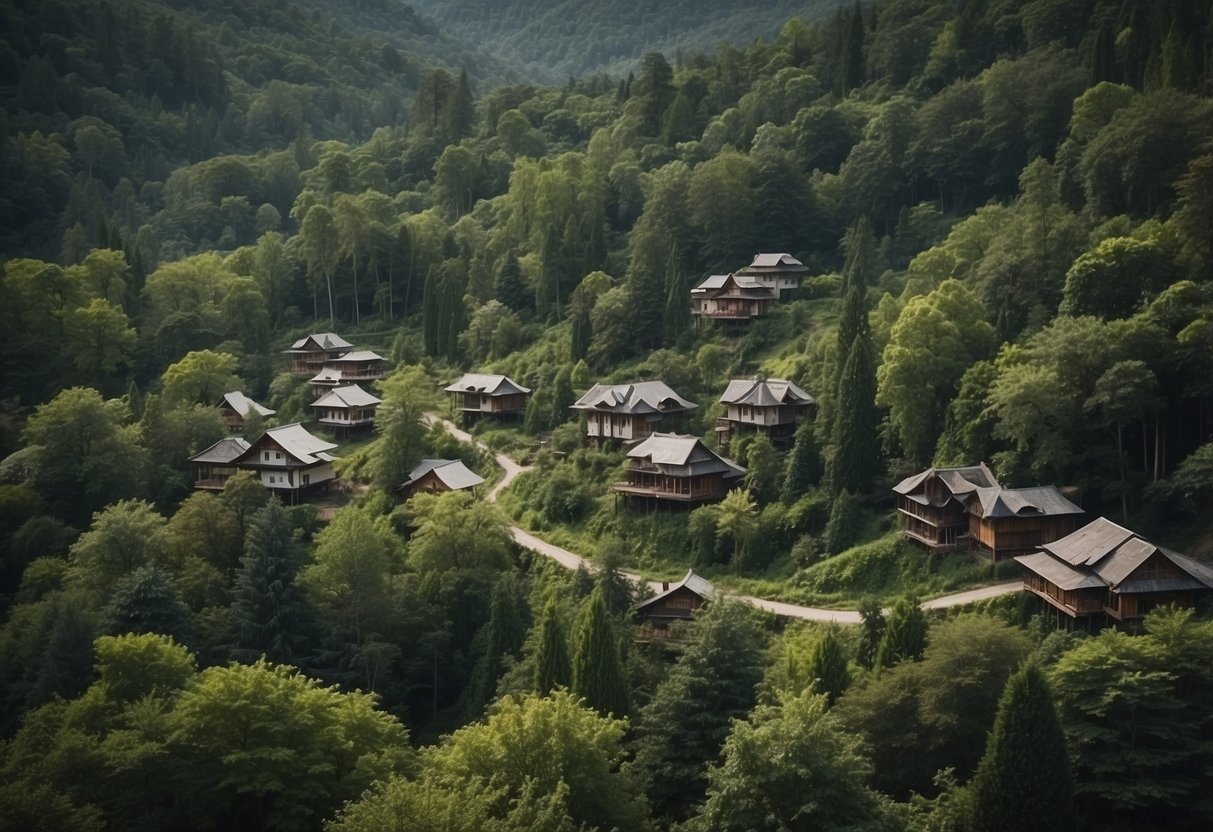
[[569, 560]]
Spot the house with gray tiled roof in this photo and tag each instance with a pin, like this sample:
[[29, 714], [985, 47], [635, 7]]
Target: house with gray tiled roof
[[671, 469], [1105, 573], [628, 412], [772, 406], [485, 394]]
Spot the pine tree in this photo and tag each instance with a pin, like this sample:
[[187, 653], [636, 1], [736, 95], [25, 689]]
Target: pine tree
[[1024, 780], [856, 459], [597, 668], [547, 288], [267, 613], [508, 286], [852, 322], [905, 636], [146, 601], [828, 667], [684, 726], [552, 667], [803, 468]]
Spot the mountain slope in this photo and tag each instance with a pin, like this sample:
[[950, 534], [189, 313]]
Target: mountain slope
[[555, 39]]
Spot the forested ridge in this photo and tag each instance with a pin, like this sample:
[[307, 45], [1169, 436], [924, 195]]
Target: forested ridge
[[552, 40], [1004, 209]]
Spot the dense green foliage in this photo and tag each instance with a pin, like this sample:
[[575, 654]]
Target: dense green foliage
[[1004, 208]]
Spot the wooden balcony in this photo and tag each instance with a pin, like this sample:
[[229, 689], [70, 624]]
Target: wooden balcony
[[1069, 603], [629, 490]]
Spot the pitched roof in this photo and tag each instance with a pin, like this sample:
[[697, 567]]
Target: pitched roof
[[1038, 501], [349, 396], [222, 452], [298, 442], [684, 456], [1059, 573], [783, 262], [720, 281], [493, 385], [959, 481], [764, 392], [1109, 554], [453, 473], [241, 403], [641, 397], [700, 586], [327, 375], [357, 356], [327, 341]]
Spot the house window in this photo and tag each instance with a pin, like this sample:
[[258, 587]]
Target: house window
[[267, 456], [277, 455], [307, 479]]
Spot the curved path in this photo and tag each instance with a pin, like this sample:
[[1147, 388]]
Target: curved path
[[570, 560]]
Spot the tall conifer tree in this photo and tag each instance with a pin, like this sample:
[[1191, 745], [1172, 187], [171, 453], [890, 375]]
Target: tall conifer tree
[[597, 669], [905, 636], [856, 453], [828, 667], [552, 667], [267, 613], [1024, 780]]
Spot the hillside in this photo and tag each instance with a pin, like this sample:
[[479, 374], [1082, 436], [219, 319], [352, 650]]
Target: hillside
[[1003, 213], [553, 40]]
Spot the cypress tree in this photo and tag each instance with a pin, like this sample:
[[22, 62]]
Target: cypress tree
[[856, 459], [1024, 781], [562, 397], [802, 470], [579, 345], [844, 527], [860, 263], [597, 669], [905, 636], [547, 288], [552, 668], [828, 667], [429, 314], [852, 322], [851, 73], [677, 317], [505, 631], [872, 633], [268, 616]]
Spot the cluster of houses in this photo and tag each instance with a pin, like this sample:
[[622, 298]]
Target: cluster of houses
[[736, 298], [1086, 575]]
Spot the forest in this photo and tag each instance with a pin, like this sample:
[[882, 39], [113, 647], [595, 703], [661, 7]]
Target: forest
[[1004, 210]]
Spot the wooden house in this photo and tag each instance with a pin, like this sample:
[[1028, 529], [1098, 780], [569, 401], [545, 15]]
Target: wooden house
[[669, 469], [481, 394], [934, 505], [1105, 573], [1007, 521], [732, 299], [676, 602], [780, 273], [234, 406], [436, 476], [773, 406], [628, 412], [216, 464], [309, 354], [346, 409], [359, 366], [290, 460]]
